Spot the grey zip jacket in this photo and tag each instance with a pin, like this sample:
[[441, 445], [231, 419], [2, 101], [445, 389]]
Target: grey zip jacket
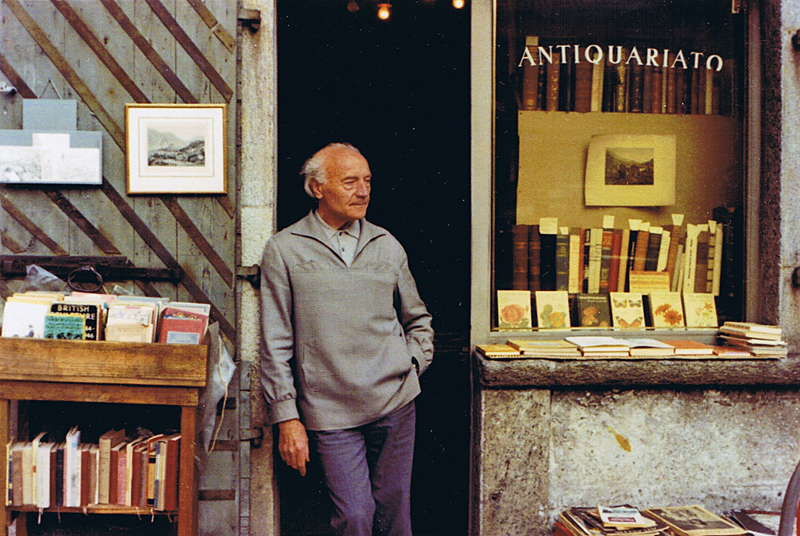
[[339, 342]]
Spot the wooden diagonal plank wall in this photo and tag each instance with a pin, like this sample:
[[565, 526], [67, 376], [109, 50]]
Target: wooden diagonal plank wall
[[103, 54]]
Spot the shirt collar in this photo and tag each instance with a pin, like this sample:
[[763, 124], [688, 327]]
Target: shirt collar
[[353, 228]]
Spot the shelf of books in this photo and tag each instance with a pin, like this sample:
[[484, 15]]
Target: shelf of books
[[139, 473]]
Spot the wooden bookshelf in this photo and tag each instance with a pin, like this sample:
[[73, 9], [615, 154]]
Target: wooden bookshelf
[[108, 372]]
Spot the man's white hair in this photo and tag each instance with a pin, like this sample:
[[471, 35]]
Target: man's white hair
[[316, 167]]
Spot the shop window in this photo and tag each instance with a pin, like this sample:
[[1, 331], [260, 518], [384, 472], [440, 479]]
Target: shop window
[[618, 164]]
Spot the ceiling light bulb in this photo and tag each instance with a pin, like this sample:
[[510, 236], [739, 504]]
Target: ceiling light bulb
[[458, 4], [352, 6], [384, 11]]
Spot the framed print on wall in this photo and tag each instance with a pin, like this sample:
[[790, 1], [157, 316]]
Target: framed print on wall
[[176, 148], [630, 170]]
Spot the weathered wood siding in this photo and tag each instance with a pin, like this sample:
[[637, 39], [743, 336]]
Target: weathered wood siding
[[104, 54]]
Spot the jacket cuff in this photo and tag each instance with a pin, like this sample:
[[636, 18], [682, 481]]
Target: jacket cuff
[[284, 410]]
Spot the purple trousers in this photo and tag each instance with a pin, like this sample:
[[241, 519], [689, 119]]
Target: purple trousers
[[368, 474]]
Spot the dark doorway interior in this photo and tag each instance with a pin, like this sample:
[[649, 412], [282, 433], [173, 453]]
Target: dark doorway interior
[[399, 91]]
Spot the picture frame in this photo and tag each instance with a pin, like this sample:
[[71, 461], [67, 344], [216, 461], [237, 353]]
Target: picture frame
[[630, 170], [176, 148]]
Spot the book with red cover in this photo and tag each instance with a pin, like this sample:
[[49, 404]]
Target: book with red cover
[[122, 476], [114, 476], [86, 480], [171, 455], [178, 326]]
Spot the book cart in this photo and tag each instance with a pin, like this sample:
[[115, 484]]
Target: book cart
[[111, 373]]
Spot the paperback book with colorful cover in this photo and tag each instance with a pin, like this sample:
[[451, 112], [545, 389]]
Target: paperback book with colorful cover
[[627, 309]]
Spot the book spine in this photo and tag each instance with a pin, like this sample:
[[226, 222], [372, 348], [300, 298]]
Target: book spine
[[547, 276], [566, 86], [653, 248], [534, 258], [598, 71], [583, 86], [530, 77], [623, 260], [701, 263], [636, 88], [642, 242], [595, 260], [720, 246], [616, 248], [605, 260], [574, 261], [656, 105], [553, 82], [647, 89], [562, 262], [634, 239], [620, 97], [671, 90], [663, 252], [519, 257]]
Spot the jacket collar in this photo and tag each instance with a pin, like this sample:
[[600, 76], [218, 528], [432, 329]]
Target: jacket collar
[[310, 227]]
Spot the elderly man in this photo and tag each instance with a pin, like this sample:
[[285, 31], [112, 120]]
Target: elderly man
[[345, 338]]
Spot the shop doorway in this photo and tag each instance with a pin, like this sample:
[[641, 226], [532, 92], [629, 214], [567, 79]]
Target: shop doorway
[[398, 90]]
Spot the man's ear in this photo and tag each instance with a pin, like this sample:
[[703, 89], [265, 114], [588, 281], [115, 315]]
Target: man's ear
[[316, 188]]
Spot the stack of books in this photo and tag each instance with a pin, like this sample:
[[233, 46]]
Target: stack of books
[[622, 520], [760, 340]]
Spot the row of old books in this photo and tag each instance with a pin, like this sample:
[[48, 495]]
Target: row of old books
[[641, 258], [91, 316], [607, 347], [557, 78], [690, 520], [138, 473], [558, 309]]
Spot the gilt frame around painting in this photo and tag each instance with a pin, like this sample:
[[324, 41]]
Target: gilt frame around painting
[[176, 148], [630, 171]]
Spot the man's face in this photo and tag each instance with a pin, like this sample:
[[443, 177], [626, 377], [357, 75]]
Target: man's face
[[344, 196]]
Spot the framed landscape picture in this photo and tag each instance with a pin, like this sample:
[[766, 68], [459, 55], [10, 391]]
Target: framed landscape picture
[[176, 148], [630, 170]]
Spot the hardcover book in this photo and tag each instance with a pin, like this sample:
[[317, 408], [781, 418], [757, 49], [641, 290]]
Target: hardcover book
[[552, 309], [593, 310], [666, 309], [627, 309]]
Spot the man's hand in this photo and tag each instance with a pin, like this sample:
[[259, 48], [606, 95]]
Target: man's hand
[[293, 444]]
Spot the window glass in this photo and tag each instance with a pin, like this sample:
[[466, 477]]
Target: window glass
[[618, 164]]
